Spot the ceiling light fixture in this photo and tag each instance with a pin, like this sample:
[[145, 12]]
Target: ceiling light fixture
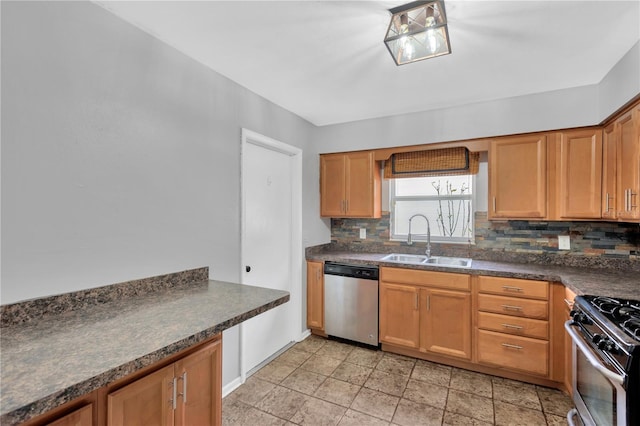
[[417, 31]]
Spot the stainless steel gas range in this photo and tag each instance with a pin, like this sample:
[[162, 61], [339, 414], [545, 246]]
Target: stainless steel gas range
[[606, 361]]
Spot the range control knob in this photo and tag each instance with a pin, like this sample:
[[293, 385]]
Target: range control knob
[[579, 317], [606, 345], [598, 339]]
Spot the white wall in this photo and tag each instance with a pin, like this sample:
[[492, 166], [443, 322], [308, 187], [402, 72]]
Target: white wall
[[120, 156], [572, 107], [543, 111], [621, 84]]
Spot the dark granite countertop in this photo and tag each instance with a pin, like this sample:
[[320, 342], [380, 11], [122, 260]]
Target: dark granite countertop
[[48, 362], [603, 282]]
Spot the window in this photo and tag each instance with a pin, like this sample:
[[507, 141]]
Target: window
[[447, 201]]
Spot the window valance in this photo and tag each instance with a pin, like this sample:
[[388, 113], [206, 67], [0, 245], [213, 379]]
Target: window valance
[[435, 162]]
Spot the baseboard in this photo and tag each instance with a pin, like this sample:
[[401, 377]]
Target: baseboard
[[234, 384], [226, 390], [304, 335]]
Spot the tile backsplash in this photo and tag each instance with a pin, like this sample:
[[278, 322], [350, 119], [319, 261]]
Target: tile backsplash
[[600, 242]]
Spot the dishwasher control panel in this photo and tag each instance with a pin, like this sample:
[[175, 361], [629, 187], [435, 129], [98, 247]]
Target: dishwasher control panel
[[365, 272]]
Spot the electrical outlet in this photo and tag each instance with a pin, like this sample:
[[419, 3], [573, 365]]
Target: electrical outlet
[[564, 242], [363, 233]]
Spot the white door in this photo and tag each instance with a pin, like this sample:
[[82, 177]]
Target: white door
[[271, 244]]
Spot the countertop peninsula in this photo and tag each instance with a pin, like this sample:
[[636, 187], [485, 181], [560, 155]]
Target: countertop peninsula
[[56, 359]]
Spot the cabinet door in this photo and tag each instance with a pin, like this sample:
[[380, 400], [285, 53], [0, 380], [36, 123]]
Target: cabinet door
[[399, 315], [609, 159], [199, 387], [315, 295], [628, 166], [81, 417], [445, 322], [518, 177], [147, 401], [361, 185], [332, 185], [580, 177]]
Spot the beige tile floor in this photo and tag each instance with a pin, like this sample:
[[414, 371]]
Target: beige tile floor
[[324, 382]]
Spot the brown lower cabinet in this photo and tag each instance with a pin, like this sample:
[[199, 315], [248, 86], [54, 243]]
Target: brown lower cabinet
[[513, 352], [501, 326], [425, 310], [187, 392], [315, 296], [399, 314], [445, 324], [184, 389]]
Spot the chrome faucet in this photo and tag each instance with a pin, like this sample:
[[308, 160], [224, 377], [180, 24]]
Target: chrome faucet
[[409, 242]]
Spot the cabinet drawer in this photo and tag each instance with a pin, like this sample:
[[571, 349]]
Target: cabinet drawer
[[514, 325], [513, 352], [514, 288], [513, 306], [430, 278]]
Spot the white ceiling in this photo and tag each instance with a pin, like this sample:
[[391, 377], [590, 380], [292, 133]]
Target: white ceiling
[[325, 60]]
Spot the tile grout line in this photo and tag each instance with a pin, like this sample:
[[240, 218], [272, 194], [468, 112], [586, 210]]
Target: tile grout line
[[389, 365]]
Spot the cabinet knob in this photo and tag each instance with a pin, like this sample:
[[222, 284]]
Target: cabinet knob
[[247, 268]]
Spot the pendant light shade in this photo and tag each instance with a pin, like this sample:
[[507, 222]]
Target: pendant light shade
[[418, 31]]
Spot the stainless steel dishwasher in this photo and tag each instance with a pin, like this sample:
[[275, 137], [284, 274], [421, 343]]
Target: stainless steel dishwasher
[[351, 302]]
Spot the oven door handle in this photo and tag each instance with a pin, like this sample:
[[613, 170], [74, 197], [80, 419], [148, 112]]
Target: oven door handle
[[590, 355]]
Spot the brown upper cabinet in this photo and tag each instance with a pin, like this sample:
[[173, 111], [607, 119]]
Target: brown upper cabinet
[[518, 177], [350, 185], [628, 165], [575, 174], [621, 168]]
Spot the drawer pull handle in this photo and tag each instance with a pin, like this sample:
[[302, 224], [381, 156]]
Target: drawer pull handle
[[569, 303], [515, 327], [511, 288], [174, 393], [512, 308], [184, 387], [510, 346]]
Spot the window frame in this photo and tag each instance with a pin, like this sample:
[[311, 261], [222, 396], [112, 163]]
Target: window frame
[[421, 237]]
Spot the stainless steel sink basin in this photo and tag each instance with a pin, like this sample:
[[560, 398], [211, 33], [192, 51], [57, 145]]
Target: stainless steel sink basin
[[405, 258], [417, 259], [458, 262]]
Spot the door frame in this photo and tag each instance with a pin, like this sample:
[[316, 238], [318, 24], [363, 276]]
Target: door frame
[[295, 156]]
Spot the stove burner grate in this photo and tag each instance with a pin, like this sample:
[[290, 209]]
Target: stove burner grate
[[621, 312], [606, 305], [632, 326]]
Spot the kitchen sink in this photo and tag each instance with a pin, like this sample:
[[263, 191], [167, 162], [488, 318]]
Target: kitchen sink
[[405, 258], [458, 262], [417, 259]]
